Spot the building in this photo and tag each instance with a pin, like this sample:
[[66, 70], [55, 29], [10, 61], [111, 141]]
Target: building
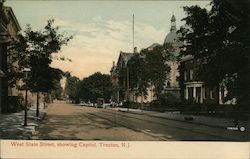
[[8, 31], [119, 77], [188, 86], [121, 92], [193, 88], [3, 51], [9, 28], [172, 44], [13, 28], [120, 87]]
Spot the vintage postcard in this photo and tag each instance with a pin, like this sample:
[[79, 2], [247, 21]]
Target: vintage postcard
[[124, 79]]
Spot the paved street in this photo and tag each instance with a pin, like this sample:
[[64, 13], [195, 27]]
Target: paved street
[[72, 122]]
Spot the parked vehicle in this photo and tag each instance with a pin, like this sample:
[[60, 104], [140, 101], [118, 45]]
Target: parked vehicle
[[82, 103], [100, 102]]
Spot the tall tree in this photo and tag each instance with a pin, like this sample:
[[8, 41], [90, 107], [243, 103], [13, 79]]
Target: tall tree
[[148, 67], [219, 39], [71, 88], [157, 68], [38, 46], [95, 86], [137, 75], [57, 91]]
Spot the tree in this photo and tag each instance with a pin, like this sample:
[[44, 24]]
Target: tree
[[71, 88], [219, 39], [95, 86], [37, 48], [57, 91], [137, 75], [157, 68], [148, 67]]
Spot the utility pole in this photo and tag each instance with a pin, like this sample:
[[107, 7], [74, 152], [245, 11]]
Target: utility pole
[[133, 30]]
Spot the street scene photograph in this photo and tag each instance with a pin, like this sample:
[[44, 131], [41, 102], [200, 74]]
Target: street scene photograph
[[125, 70]]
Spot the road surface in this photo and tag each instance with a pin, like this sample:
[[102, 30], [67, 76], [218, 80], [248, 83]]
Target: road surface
[[72, 122]]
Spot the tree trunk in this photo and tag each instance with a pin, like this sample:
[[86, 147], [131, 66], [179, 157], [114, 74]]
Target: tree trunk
[[26, 107], [37, 104]]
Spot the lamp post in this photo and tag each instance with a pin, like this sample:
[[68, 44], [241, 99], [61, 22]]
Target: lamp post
[[26, 71]]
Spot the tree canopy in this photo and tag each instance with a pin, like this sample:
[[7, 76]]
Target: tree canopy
[[95, 86], [71, 87], [219, 39], [147, 67], [36, 49]]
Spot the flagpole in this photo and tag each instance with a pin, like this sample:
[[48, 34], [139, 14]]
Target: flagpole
[[133, 32]]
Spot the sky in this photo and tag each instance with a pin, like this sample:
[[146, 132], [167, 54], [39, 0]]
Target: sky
[[101, 28]]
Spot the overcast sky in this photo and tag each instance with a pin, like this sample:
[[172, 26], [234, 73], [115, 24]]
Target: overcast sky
[[102, 28]]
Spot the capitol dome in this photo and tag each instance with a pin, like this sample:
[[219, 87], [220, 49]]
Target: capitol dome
[[172, 36]]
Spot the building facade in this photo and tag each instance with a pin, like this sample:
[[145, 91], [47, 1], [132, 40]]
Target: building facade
[[194, 89], [172, 44], [120, 90], [9, 27], [3, 51]]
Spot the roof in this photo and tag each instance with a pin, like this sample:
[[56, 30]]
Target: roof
[[13, 17], [172, 37], [151, 47], [123, 58], [126, 56]]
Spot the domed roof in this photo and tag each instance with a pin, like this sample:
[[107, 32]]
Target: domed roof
[[172, 37]]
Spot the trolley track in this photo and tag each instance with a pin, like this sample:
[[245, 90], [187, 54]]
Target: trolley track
[[136, 123]]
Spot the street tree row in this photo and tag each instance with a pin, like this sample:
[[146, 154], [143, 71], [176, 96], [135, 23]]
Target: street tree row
[[34, 52]]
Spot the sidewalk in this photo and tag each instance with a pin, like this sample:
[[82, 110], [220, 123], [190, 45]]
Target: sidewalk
[[208, 121], [11, 126]]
